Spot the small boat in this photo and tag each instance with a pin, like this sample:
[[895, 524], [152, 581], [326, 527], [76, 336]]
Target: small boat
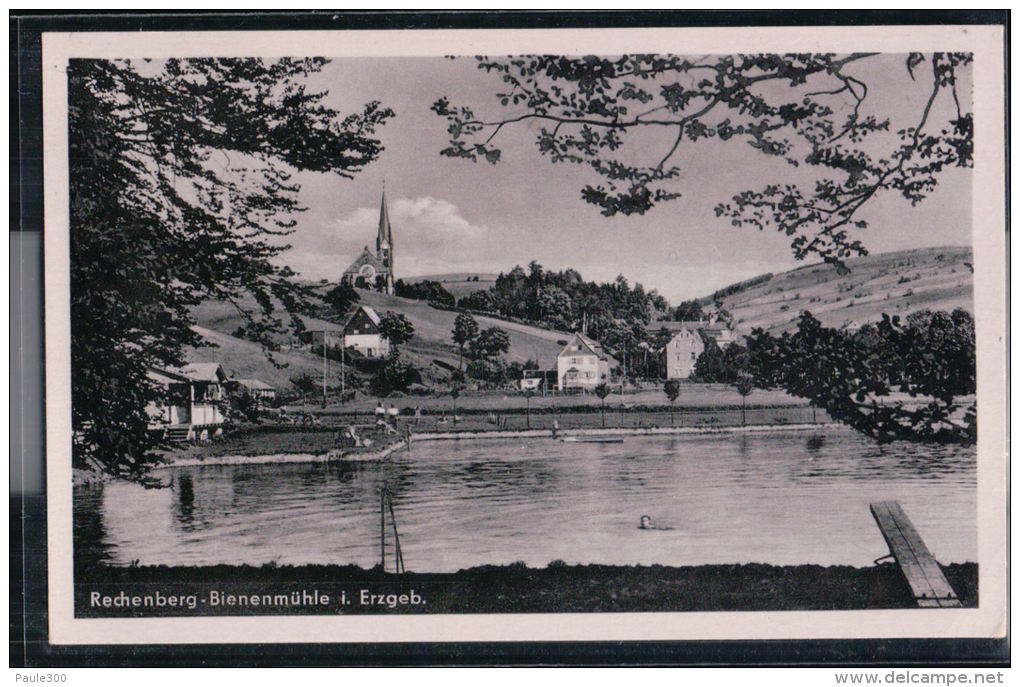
[[593, 440]]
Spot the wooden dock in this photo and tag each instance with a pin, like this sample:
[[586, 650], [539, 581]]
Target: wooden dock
[[930, 587]]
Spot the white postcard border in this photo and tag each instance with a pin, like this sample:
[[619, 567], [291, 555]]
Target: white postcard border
[[987, 44]]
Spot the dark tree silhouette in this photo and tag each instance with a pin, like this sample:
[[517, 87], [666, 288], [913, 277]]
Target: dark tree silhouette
[[602, 390], [465, 329], [590, 111], [397, 329], [930, 358], [744, 386], [340, 299], [182, 190], [672, 389], [454, 394]]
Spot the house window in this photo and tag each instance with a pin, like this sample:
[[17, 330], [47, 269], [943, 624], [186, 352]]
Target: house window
[[693, 357]]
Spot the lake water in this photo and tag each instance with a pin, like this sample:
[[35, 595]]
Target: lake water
[[778, 498]]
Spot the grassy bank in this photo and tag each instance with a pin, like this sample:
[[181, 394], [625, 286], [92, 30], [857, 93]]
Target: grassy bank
[[519, 589], [270, 439]]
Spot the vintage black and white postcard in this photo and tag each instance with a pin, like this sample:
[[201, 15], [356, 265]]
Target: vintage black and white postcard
[[503, 335]]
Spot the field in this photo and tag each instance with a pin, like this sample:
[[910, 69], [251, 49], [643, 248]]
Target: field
[[894, 283], [216, 321], [459, 284]]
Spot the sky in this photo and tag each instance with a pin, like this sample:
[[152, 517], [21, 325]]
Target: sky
[[452, 215]]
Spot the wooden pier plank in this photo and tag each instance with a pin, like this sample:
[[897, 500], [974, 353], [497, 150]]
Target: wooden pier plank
[[919, 567]]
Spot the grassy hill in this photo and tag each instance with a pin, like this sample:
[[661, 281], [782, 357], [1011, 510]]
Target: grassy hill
[[459, 284], [896, 283], [218, 320]]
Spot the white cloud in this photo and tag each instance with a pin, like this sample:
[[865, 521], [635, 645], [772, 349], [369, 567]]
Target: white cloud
[[429, 235]]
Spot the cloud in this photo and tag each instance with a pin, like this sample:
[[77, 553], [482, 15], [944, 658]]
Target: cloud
[[429, 234]]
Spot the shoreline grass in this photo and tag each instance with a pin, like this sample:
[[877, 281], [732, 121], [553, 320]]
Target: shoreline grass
[[516, 588]]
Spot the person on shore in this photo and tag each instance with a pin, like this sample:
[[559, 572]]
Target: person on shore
[[556, 428], [417, 414]]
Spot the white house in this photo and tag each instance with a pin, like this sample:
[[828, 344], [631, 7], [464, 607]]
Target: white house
[[582, 364], [362, 333], [682, 352], [191, 406]]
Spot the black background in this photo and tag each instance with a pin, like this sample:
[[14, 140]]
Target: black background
[[28, 565]]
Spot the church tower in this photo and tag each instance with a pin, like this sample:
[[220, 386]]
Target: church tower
[[384, 247]]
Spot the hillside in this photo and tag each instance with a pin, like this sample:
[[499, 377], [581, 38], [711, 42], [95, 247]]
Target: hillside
[[218, 320], [896, 283], [459, 284]]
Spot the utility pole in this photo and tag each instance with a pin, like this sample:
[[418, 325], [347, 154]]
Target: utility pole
[[323, 368], [343, 345]]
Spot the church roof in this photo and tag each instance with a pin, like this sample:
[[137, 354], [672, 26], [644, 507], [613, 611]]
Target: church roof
[[385, 232], [366, 258]]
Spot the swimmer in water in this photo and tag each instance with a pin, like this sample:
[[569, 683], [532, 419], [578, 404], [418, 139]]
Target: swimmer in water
[[647, 524]]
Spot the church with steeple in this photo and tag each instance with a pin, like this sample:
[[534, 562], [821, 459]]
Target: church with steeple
[[375, 271]]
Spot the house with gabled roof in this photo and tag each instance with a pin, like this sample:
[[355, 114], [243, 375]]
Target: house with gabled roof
[[682, 352], [191, 401], [582, 364], [261, 393], [362, 332]]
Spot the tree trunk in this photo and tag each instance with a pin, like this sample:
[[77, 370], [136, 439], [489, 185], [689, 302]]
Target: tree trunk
[[743, 411], [603, 414]]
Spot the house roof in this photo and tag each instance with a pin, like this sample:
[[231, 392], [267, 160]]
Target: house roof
[[588, 347], [696, 331], [255, 384], [192, 372], [313, 325], [675, 326], [165, 377], [204, 372], [369, 312]]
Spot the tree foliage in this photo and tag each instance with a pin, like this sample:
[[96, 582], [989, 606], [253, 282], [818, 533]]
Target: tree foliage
[[426, 290], [397, 329], [688, 311], [394, 374], [928, 360], [465, 329], [721, 365], [340, 299], [182, 190], [672, 390], [489, 344], [809, 110], [565, 301], [602, 390]]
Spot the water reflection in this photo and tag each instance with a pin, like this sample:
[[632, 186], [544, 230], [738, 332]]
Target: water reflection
[[776, 498]]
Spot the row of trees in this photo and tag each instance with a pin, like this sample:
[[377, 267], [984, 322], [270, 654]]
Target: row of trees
[[897, 379], [425, 290], [483, 349], [181, 185], [564, 300]]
